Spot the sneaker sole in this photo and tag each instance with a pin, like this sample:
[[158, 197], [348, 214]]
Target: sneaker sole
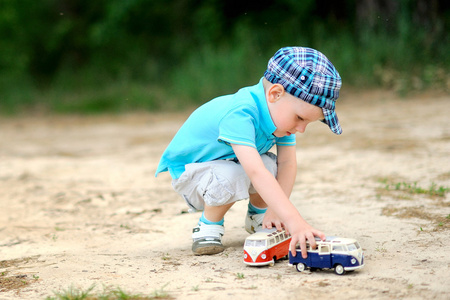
[[207, 247]]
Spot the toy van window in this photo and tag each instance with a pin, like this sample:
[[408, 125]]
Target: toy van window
[[352, 247], [260, 243], [338, 248], [255, 243], [277, 238], [324, 249], [271, 241]]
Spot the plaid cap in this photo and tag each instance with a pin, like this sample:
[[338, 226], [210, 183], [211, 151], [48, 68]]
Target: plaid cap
[[307, 74]]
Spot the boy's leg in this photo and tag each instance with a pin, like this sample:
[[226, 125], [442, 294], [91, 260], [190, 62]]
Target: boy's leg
[[208, 234], [216, 213], [255, 213], [256, 206], [256, 200], [213, 187]]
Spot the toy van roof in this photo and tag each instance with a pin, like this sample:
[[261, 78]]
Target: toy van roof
[[262, 234]]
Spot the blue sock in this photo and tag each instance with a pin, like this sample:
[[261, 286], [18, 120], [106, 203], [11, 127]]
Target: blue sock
[[206, 221], [253, 210]]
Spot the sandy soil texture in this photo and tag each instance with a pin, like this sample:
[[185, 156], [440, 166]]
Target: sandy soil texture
[[79, 205]]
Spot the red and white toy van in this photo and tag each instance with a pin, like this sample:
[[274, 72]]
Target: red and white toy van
[[266, 246]]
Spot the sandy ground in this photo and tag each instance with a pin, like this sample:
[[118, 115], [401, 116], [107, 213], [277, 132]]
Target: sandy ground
[[79, 205]]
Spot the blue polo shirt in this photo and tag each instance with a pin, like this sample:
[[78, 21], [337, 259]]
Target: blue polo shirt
[[242, 118]]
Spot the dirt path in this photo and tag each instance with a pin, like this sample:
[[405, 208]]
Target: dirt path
[[79, 205]]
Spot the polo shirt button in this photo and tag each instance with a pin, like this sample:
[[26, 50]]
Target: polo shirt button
[[302, 77]]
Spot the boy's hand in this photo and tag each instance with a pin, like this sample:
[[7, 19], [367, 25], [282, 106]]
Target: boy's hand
[[304, 233], [271, 219], [276, 191]]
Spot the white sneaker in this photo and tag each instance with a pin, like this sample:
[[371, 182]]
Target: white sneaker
[[253, 223], [207, 239]]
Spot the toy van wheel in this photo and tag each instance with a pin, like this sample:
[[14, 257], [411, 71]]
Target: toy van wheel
[[300, 267], [272, 263], [339, 269]]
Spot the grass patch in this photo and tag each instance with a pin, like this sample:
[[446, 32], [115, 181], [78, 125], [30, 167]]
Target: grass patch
[[405, 191], [17, 262], [412, 188], [15, 282], [440, 222], [106, 294]]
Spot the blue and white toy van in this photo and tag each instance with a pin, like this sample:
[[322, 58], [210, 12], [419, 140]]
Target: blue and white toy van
[[340, 254]]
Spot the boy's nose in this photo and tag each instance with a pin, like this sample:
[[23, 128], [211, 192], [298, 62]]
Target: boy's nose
[[300, 128]]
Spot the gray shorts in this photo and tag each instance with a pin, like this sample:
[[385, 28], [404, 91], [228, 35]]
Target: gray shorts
[[218, 182]]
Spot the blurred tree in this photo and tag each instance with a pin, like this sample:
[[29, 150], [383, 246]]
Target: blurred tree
[[141, 38]]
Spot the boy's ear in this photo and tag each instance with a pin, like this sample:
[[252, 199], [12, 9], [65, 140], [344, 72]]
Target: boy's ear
[[275, 92]]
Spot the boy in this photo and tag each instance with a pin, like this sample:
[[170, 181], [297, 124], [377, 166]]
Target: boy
[[220, 154]]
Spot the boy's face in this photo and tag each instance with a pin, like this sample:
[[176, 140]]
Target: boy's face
[[290, 114]]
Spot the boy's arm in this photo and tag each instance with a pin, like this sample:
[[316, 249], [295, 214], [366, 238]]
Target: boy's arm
[[287, 171], [273, 194], [287, 168]]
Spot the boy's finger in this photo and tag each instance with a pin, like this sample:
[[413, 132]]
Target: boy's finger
[[302, 242], [292, 247], [303, 248], [268, 225], [312, 243], [321, 235], [278, 226]]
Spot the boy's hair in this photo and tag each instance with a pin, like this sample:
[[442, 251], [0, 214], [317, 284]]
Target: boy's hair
[[307, 74]]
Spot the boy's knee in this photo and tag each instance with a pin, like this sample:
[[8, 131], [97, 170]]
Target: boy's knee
[[217, 183], [218, 191]]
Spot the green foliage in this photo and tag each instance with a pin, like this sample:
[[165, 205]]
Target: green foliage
[[114, 55], [72, 294], [107, 294], [413, 188]]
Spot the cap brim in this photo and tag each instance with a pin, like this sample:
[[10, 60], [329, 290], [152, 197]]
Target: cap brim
[[331, 120]]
